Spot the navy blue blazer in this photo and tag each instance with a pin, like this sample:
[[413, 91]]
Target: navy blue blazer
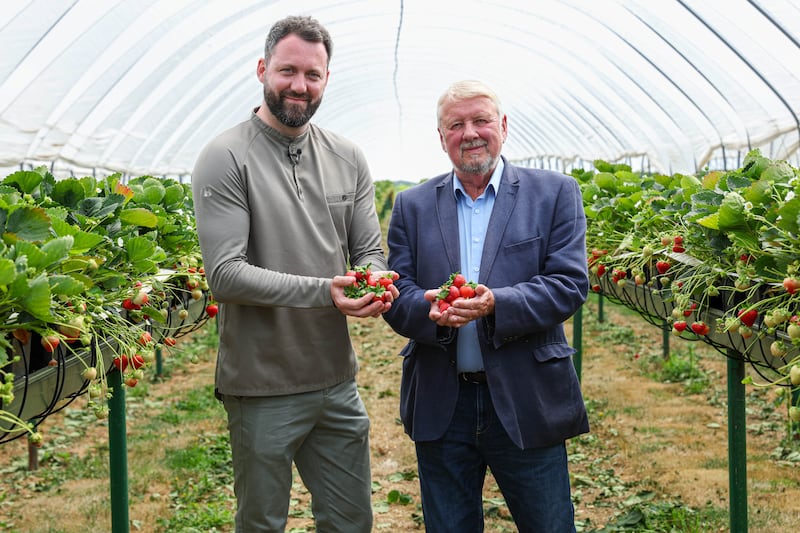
[[534, 261]]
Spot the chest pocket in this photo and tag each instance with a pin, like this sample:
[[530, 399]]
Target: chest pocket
[[340, 206], [338, 199]]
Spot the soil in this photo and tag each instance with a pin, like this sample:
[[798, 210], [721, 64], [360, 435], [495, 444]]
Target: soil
[[649, 439]]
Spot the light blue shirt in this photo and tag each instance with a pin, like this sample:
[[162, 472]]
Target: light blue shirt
[[473, 218]]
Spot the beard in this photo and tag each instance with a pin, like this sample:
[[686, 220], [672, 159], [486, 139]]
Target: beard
[[482, 167], [290, 115]]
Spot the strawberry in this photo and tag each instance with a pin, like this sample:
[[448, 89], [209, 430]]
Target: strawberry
[[466, 291], [449, 290], [791, 285], [50, 342], [700, 328], [794, 375], [137, 361], [662, 267], [678, 327], [596, 288], [212, 310], [778, 348], [453, 292], [141, 298], [89, 373], [22, 335], [128, 304], [170, 341], [121, 362], [748, 317], [145, 338], [793, 330], [131, 382]]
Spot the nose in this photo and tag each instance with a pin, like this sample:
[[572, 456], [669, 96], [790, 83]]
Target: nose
[[298, 85], [470, 131]]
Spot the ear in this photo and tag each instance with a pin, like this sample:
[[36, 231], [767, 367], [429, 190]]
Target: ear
[[261, 69], [504, 127], [441, 140]]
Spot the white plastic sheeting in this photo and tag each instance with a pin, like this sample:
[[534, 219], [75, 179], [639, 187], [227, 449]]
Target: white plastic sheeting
[[669, 85]]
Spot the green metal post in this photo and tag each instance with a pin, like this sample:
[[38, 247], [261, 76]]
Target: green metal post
[[737, 444], [577, 340], [600, 314], [118, 454], [159, 362], [665, 333]]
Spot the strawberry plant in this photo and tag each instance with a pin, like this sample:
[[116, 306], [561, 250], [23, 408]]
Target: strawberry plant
[[88, 262], [727, 241]]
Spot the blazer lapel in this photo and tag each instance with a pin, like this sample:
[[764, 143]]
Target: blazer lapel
[[447, 213], [501, 213]]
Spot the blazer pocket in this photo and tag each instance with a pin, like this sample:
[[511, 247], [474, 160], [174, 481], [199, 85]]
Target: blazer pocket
[[550, 352], [522, 246]]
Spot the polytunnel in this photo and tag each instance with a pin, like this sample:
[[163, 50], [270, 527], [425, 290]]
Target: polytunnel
[[669, 86]]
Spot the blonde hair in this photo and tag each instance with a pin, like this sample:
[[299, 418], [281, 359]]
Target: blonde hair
[[464, 90]]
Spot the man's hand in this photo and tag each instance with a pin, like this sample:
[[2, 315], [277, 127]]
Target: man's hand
[[461, 310], [365, 306]]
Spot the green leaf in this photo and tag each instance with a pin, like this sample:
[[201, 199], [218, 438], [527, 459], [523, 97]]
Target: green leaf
[[174, 194], [139, 216], [56, 250], [65, 285], [153, 192], [711, 221], [34, 296], [69, 192], [28, 223], [139, 248], [7, 271], [731, 213], [101, 207], [26, 180], [606, 181], [790, 216]]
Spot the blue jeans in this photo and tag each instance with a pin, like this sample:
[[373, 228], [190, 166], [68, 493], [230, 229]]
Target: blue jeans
[[534, 482]]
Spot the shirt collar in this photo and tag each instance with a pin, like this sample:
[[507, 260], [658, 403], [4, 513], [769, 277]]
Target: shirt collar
[[494, 181]]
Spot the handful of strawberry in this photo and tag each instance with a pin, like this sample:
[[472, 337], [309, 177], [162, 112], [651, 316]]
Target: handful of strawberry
[[367, 282], [456, 286]]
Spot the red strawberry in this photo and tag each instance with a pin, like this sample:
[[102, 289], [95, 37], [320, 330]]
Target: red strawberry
[[662, 267], [212, 310], [121, 362], [50, 342], [459, 280], [748, 317], [145, 338], [678, 326], [791, 285], [700, 328], [137, 361], [466, 291]]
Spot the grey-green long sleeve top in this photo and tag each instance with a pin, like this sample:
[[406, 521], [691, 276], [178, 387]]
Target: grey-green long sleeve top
[[272, 235]]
